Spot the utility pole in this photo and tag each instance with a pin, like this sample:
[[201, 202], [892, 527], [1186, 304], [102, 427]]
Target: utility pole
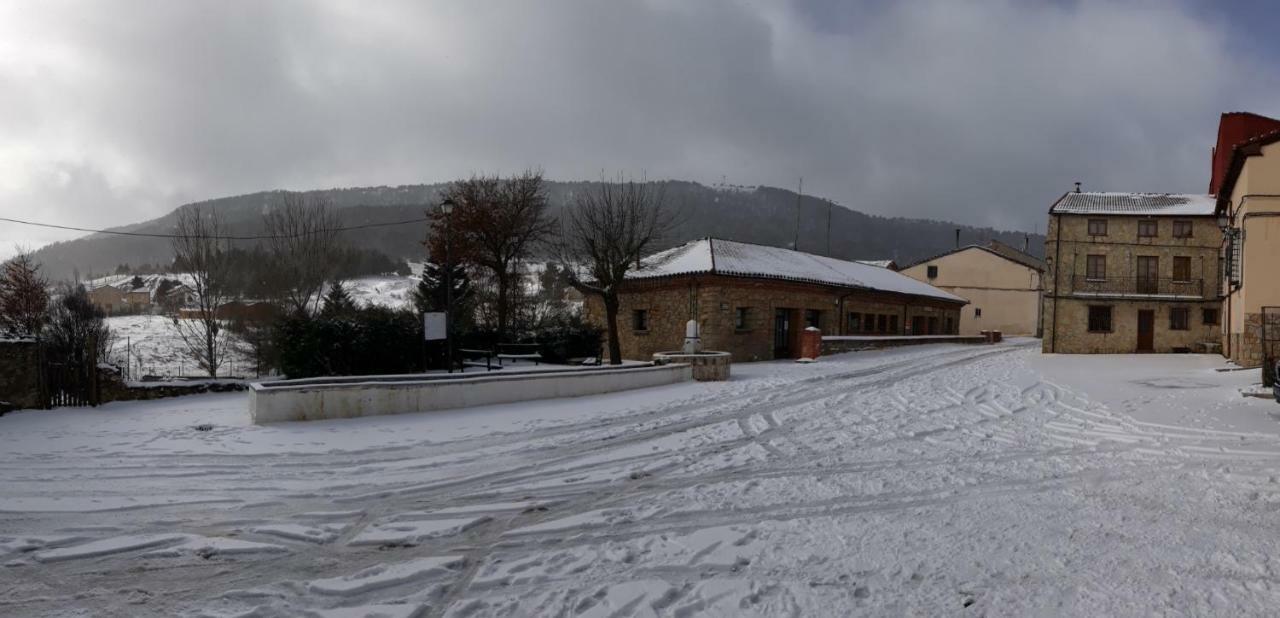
[[795, 243], [829, 229]]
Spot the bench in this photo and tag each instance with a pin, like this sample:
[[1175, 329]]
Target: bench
[[519, 351], [471, 358]]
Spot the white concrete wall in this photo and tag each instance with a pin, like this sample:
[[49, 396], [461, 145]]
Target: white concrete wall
[[306, 402]]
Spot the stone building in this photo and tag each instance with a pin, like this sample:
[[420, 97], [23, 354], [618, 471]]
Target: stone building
[[753, 301], [1132, 272], [1246, 180], [1001, 283]]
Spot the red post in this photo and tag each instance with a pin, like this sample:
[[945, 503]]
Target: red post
[[810, 343]]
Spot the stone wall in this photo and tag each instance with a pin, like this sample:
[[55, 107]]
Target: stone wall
[[715, 300], [19, 374], [1073, 336], [1247, 349], [1067, 331], [111, 387], [838, 346]]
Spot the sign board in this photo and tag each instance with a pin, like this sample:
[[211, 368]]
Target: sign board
[[433, 326]]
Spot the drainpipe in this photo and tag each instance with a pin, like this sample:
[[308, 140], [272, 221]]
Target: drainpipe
[[1057, 268]]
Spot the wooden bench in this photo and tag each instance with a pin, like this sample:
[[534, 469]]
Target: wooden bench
[[471, 358], [519, 351]]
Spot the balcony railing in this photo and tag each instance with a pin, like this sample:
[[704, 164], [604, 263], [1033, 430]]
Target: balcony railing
[[1137, 287]]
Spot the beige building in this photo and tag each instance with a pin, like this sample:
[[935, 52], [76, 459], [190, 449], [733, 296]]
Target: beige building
[[1247, 180], [118, 298], [753, 301], [1132, 272], [1002, 285]]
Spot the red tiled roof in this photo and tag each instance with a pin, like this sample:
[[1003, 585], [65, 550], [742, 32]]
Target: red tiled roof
[[1234, 129]]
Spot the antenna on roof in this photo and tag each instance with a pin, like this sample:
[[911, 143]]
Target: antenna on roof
[[1077, 186]]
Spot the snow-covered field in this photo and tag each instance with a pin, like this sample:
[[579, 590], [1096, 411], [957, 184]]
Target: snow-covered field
[[153, 347], [932, 480]]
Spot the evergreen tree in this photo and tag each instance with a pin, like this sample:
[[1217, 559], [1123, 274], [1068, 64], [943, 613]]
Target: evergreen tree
[[430, 295], [24, 296], [337, 302]]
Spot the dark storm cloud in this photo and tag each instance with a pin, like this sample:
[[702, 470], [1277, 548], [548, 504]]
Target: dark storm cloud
[[975, 112]]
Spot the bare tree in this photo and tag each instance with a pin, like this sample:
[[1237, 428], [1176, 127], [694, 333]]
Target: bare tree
[[24, 296], [495, 225], [603, 235], [200, 249], [304, 248]]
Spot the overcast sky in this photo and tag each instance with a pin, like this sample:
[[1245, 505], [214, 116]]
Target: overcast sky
[[977, 112]]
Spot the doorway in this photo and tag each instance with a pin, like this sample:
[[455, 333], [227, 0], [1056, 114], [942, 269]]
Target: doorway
[[782, 333], [1146, 330]]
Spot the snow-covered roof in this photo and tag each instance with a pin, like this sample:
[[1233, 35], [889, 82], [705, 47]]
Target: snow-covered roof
[[877, 263], [727, 257], [150, 283], [1145, 204]]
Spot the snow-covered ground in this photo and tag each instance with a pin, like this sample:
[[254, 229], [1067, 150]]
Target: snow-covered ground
[[931, 480], [152, 346]]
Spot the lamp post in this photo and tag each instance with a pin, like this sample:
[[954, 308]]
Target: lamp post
[[446, 207]]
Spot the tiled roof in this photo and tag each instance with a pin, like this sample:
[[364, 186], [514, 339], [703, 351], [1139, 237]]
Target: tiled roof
[[726, 257], [1009, 253], [996, 247], [1150, 204]]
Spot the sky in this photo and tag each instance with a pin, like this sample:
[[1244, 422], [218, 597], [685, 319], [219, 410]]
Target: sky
[[977, 112]]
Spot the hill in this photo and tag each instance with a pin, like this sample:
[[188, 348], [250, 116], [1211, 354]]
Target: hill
[[762, 215]]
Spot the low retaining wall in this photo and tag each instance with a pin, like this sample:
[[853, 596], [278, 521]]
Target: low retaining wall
[[317, 399], [838, 344], [20, 375]]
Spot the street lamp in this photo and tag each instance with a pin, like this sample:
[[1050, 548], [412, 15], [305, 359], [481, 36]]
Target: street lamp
[[446, 208]]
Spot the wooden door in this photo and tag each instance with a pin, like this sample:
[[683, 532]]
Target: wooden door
[[782, 333], [1148, 274], [1146, 331]]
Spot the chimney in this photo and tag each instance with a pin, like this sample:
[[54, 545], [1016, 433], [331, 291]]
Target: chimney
[[1026, 243], [1077, 187], [957, 238]]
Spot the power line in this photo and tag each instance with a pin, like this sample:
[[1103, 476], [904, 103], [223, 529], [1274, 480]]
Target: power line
[[153, 235]]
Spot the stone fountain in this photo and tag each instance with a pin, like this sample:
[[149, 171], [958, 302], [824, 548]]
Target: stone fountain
[[707, 366]]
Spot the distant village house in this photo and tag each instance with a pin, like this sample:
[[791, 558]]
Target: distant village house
[[1001, 283]]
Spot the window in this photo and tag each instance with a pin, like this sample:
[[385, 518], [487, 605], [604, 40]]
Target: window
[[855, 323], [1147, 228], [812, 318], [893, 324], [1210, 316], [1099, 319], [1096, 267], [977, 312], [1181, 268], [1179, 318], [742, 321], [882, 323], [640, 319], [1097, 227], [868, 323], [947, 326], [1182, 229], [932, 272]]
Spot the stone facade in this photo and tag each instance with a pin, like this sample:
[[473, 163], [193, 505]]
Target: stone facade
[[716, 301], [20, 375], [1070, 289]]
